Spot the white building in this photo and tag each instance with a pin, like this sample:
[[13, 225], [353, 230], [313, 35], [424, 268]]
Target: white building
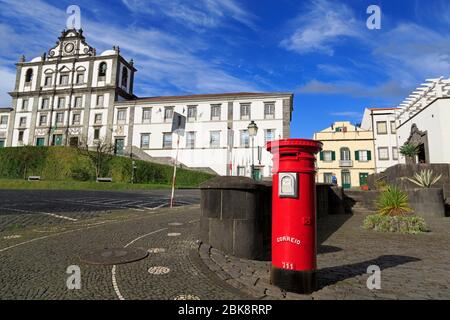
[[4, 121], [382, 123], [423, 119], [72, 93]]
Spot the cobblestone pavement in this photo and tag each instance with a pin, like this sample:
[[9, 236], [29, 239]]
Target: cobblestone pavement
[[412, 266], [34, 264], [21, 208]]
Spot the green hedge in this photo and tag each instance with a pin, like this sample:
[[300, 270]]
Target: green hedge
[[64, 163], [402, 224]]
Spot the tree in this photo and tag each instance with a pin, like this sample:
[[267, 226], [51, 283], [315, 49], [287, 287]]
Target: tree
[[28, 157], [100, 153]]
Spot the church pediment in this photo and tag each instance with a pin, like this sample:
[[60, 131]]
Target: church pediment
[[416, 136], [71, 43]]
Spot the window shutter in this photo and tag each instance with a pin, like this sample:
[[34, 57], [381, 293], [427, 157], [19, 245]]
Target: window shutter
[[357, 155], [369, 155], [321, 156], [333, 155]]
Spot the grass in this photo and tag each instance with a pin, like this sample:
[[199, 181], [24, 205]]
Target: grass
[[18, 184]]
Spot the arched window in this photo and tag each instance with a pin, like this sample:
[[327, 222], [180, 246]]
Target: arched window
[[102, 69], [124, 77], [29, 75]]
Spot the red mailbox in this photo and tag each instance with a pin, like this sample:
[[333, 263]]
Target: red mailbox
[[294, 214]]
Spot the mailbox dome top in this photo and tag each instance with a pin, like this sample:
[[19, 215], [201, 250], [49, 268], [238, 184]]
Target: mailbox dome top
[[313, 145]]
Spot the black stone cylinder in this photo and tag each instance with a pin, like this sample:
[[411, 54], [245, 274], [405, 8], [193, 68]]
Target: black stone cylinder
[[303, 282]]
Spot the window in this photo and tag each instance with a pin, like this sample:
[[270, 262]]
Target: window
[[23, 122], [24, 104], [167, 140], [124, 77], [48, 81], [98, 118], [102, 71], [245, 111], [214, 139], [345, 154], [269, 110], [394, 153], [59, 117], [241, 171], [44, 103], [64, 80], [121, 115], [192, 113], [393, 127], [78, 102], [100, 101], [20, 136], [346, 179], [40, 142], [245, 139], [168, 114], [29, 76], [269, 135], [43, 120], [215, 112], [80, 78], [61, 103], [190, 140], [76, 118], [327, 156], [4, 120], [96, 134], [383, 153], [381, 127], [328, 177], [146, 115], [145, 140], [363, 155]]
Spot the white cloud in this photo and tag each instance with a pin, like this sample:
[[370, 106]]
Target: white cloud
[[166, 64], [347, 114], [7, 81], [320, 25], [195, 14], [354, 89]]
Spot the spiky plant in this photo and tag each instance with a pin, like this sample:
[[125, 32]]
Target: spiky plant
[[425, 178], [393, 202], [409, 150]]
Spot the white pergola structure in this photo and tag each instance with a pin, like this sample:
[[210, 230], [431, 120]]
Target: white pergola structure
[[423, 96]]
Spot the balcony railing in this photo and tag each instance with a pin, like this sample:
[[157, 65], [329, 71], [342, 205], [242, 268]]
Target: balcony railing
[[346, 163]]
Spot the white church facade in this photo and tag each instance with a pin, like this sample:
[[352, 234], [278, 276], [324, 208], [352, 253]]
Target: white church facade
[[71, 94]]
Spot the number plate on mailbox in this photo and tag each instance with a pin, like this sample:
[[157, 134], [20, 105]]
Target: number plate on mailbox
[[287, 185]]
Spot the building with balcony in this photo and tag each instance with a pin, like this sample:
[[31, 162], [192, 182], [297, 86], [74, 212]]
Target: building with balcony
[[347, 154], [71, 94]]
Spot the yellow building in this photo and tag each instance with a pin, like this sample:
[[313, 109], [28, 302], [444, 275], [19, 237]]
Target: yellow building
[[348, 154]]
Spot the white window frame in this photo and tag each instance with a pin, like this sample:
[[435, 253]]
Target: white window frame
[[211, 134], [379, 153], [147, 145], [216, 110], [146, 111], [269, 110], [190, 139]]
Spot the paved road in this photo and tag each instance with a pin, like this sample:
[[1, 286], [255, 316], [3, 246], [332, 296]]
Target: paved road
[[34, 265], [21, 208]]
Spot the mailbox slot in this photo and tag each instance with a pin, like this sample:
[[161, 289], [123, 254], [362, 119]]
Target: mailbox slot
[[288, 185]]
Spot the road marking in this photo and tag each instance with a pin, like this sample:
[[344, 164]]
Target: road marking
[[173, 234], [113, 270], [158, 270], [186, 297], [156, 250], [46, 213]]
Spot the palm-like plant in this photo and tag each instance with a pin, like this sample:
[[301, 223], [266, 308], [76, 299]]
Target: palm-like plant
[[393, 202], [409, 150], [425, 178]]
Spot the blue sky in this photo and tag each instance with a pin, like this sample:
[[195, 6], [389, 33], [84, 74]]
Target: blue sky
[[321, 50]]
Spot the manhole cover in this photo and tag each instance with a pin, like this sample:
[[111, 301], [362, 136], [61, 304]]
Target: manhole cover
[[114, 256], [158, 270], [186, 297]]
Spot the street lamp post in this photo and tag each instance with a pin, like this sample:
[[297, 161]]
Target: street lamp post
[[252, 131]]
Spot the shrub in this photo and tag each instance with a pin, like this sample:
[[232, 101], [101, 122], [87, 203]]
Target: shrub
[[425, 178], [409, 150], [402, 224], [393, 202]]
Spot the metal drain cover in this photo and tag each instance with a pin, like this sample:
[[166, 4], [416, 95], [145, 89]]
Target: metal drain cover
[[112, 256]]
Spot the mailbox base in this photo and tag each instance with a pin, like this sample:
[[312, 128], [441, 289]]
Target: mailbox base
[[303, 282]]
